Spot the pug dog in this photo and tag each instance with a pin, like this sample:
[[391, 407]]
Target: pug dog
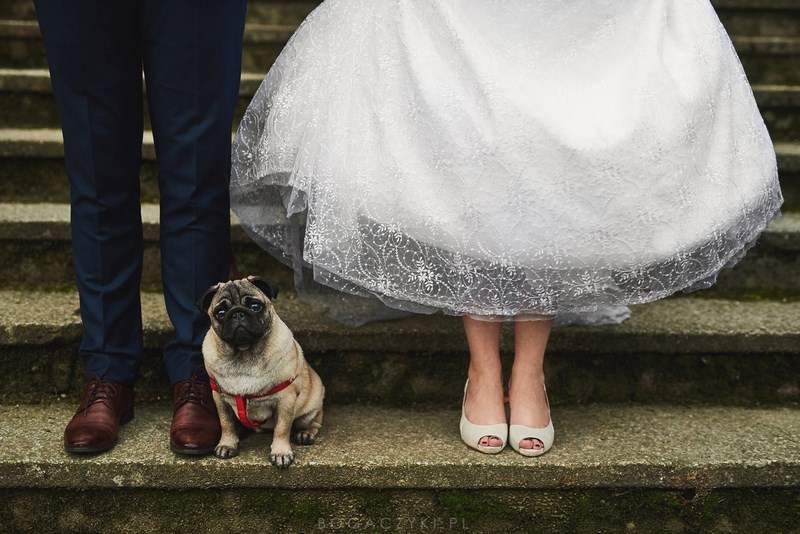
[[258, 373]]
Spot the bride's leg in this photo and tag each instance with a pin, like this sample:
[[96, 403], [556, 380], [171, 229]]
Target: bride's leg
[[484, 402], [526, 394]]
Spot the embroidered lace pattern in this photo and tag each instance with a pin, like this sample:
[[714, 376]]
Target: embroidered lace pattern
[[506, 158]]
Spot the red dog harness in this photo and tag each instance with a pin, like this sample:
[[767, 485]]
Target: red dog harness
[[241, 401]]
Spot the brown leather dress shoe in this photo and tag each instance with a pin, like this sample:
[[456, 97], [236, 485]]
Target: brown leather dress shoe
[[195, 424], [95, 426]]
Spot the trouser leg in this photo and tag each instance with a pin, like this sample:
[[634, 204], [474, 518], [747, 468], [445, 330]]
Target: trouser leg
[[95, 64], [192, 61]]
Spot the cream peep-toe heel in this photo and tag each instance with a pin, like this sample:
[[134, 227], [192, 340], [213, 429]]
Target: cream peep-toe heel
[[519, 433], [471, 434]]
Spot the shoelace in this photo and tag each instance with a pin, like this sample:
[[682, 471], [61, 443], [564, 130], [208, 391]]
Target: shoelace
[[195, 392], [100, 391]]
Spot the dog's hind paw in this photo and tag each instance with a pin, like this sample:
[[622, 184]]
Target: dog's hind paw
[[305, 437], [225, 452], [282, 460]]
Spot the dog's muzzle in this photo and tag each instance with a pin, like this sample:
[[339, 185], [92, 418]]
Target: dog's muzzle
[[241, 326]]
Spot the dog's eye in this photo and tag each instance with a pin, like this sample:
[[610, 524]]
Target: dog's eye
[[219, 313], [256, 306]]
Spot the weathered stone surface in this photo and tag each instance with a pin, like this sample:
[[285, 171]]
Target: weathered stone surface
[[232, 510], [770, 60], [288, 12], [781, 21], [294, 11], [755, 5], [21, 45], [791, 192], [671, 326], [27, 102], [616, 468], [35, 252], [686, 350], [50, 221], [37, 180], [602, 446], [245, 510], [391, 378], [48, 143], [788, 156]]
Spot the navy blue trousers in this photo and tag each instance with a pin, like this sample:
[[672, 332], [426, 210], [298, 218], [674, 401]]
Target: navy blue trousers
[[190, 51]]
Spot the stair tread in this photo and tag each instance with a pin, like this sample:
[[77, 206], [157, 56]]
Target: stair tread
[[368, 447], [260, 33], [38, 80], [790, 149], [48, 143], [51, 221], [53, 135], [254, 32], [669, 326], [45, 135], [374, 447], [756, 4]]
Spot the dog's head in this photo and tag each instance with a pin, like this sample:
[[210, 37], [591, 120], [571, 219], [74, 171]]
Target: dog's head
[[241, 311]]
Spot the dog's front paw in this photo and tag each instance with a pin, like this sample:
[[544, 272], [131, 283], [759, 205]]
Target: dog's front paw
[[225, 452], [282, 460], [281, 456], [305, 437]]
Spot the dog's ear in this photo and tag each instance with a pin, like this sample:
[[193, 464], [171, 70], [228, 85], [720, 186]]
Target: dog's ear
[[267, 287], [205, 301]]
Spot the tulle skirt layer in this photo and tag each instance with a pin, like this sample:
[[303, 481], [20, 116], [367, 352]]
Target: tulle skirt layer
[[505, 158]]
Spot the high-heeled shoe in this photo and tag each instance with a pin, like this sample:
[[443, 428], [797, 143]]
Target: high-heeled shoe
[[471, 434], [519, 433]]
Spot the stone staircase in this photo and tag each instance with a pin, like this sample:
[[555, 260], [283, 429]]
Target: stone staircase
[[683, 419]]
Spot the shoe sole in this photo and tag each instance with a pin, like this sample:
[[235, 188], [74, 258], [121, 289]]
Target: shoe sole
[[89, 450], [125, 418], [192, 452]]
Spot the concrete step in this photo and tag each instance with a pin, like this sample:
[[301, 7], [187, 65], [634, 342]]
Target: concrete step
[[780, 107], [35, 251], [31, 156], [27, 102], [38, 237], [779, 18], [679, 350], [32, 168], [613, 468], [285, 12], [770, 59], [21, 45], [745, 17], [789, 169]]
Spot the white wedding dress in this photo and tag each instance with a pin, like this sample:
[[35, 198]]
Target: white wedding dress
[[506, 158]]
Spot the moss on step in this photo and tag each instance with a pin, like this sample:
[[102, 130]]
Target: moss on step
[[248, 510], [747, 295]]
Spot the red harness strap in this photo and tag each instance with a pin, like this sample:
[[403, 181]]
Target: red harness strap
[[241, 400]]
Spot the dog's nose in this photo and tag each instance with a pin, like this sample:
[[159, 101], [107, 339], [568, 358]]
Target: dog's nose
[[238, 316]]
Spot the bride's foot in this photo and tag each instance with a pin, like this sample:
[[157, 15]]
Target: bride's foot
[[530, 414], [483, 416], [483, 407]]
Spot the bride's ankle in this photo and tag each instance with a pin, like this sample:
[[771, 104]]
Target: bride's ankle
[[522, 375], [484, 401], [528, 402], [485, 374]]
